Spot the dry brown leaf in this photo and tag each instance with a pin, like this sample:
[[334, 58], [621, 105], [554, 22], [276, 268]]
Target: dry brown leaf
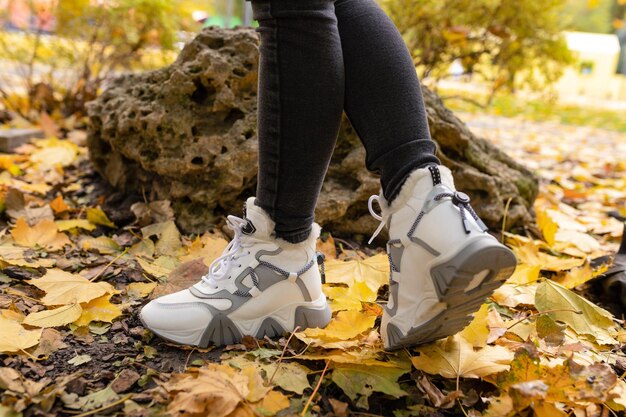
[[210, 392], [44, 234]]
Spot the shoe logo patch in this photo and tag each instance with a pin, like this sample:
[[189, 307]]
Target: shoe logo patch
[[248, 229]]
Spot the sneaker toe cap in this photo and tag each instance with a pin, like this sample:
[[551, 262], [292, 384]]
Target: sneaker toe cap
[[179, 322]]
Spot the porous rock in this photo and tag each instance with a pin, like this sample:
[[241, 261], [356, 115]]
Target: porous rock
[[187, 133]]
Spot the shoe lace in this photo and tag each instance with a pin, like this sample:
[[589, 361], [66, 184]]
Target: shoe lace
[[461, 200], [375, 215], [220, 268]]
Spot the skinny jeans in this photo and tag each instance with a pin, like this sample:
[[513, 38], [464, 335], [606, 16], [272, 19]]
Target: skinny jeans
[[319, 58]]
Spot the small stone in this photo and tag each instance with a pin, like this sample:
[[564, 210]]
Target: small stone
[[124, 381], [13, 138], [77, 386]]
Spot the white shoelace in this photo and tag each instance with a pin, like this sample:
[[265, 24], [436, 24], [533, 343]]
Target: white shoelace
[[220, 268], [375, 215]]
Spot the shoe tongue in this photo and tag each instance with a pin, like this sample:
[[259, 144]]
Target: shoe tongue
[[440, 174], [259, 222]]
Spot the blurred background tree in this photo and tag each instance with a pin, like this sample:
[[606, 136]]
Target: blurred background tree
[[507, 43], [59, 62]]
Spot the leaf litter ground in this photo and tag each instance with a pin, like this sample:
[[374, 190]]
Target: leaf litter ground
[[79, 260]]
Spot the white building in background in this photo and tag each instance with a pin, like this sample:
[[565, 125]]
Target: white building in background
[[594, 75]]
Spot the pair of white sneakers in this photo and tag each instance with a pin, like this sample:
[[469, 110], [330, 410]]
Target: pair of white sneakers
[[443, 266]]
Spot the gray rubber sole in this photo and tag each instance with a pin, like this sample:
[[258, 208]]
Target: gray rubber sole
[[451, 280], [222, 331]]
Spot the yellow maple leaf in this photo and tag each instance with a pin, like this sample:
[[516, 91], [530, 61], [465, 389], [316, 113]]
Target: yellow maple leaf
[[100, 309], [455, 357], [13, 337], [524, 274], [345, 326], [477, 331], [44, 234], [65, 288], [59, 316], [373, 271], [349, 298]]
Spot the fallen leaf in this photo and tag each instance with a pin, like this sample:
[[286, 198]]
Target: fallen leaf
[[524, 274], [477, 331], [98, 309], [59, 316], [58, 205], [51, 341], [208, 247], [290, 376], [14, 337], [513, 295], [575, 276], [272, 403], [547, 226], [373, 271], [97, 216], [101, 244], [344, 326], [168, 242], [562, 305], [54, 152], [529, 380], [210, 392], [140, 289], [44, 234], [160, 267], [455, 357], [79, 360], [359, 382], [65, 288], [64, 225]]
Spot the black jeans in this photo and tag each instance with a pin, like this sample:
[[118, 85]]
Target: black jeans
[[317, 59]]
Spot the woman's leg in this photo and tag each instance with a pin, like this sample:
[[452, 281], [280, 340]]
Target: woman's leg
[[443, 264], [301, 90], [383, 99]]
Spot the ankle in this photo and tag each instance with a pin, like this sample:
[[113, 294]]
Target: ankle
[[294, 236]]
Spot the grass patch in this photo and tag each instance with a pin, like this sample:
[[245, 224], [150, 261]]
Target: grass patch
[[539, 110]]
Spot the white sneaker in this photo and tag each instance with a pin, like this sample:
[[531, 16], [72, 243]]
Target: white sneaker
[[260, 286], [443, 263]]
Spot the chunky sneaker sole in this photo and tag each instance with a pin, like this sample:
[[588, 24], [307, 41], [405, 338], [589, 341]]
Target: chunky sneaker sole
[[462, 282], [223, 331]]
